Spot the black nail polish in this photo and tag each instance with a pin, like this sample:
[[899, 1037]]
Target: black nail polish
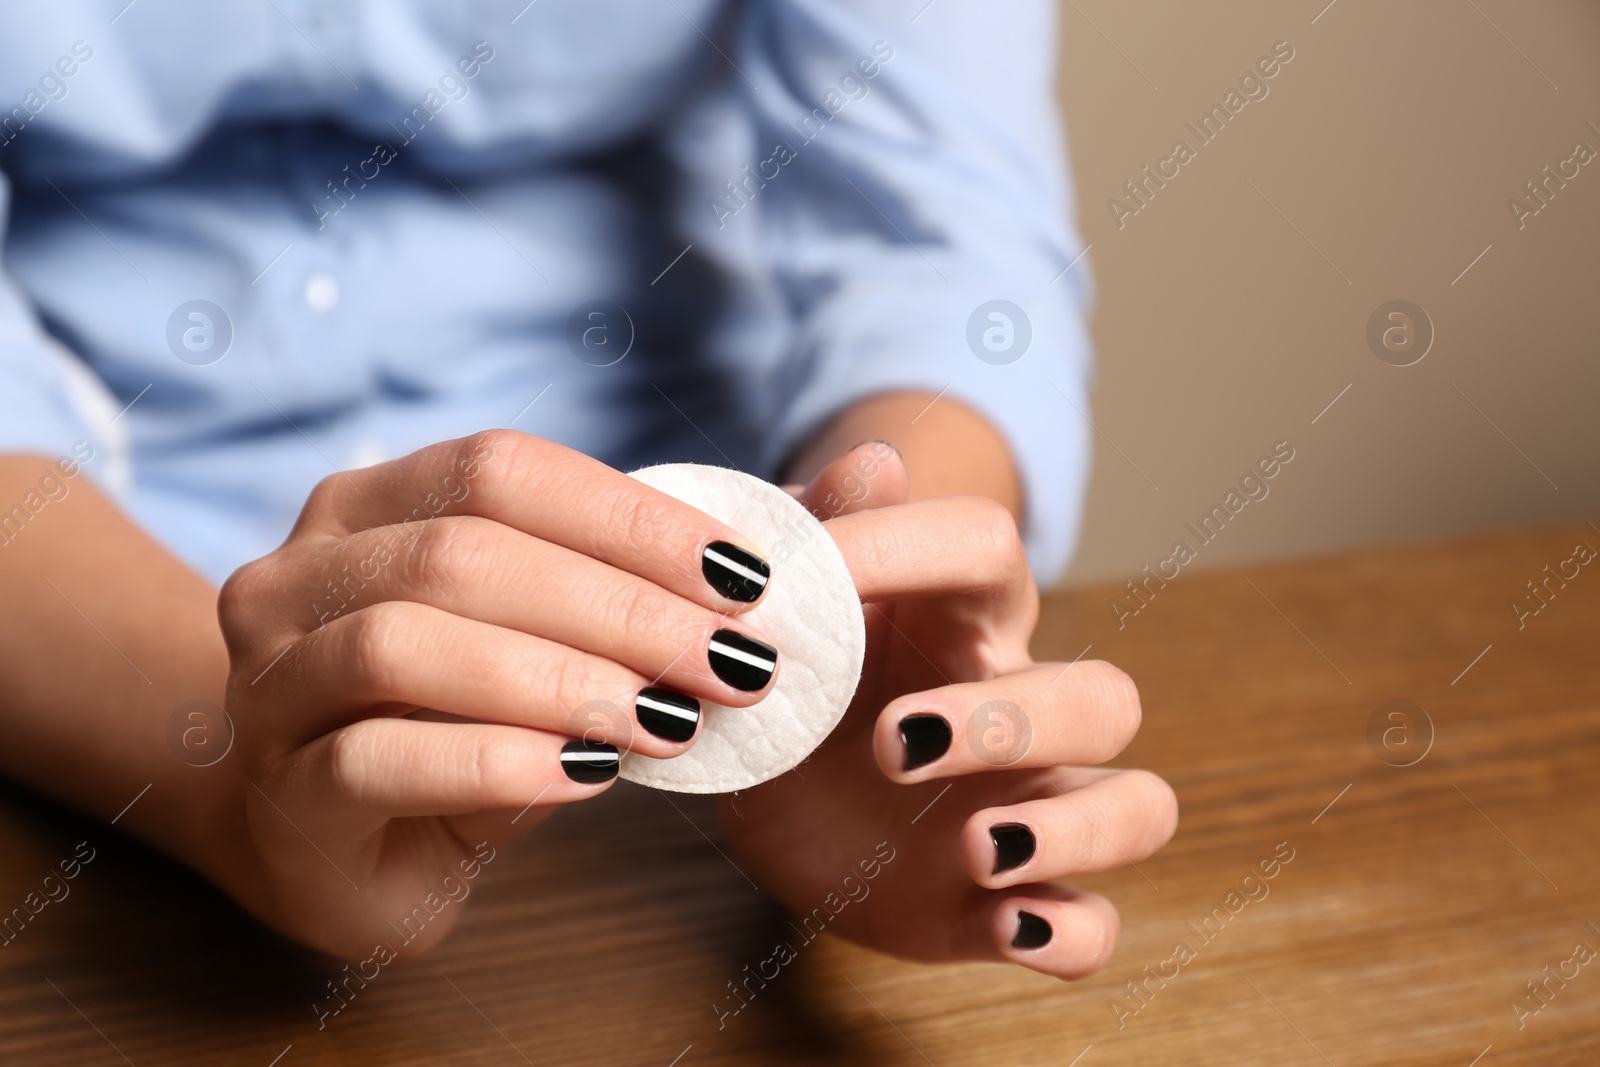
[[668, 715], [588, 762], [733, 572], [1013, 846], [1032, 931], [742, 662], [926, 737]]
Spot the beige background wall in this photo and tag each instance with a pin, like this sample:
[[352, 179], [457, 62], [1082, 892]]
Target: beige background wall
[[1392, 141]]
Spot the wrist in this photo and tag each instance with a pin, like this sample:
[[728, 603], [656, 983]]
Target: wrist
[[118, 636]]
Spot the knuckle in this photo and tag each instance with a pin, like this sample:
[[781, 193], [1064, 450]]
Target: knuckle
[[997, 542], [646, 520], [240, 596], [1159, 801], [872, 545], [633, 609], [487, 444], [348, 758], [325, 497], [488, 457], [1085, 844], [559, 679], [498, 768], [1098, 954], [376, 645], [581, 685], [1115, 694], [444, 551]]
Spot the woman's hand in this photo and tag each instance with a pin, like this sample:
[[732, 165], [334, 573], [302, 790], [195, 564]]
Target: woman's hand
[[520, 595], [949, 692]]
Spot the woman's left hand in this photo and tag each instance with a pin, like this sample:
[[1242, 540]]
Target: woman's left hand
[[856, 840]]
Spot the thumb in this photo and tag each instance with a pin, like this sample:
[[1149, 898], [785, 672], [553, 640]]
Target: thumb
[[870, 475]]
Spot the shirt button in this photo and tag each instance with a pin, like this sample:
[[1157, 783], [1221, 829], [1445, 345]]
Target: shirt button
[[322, 291]]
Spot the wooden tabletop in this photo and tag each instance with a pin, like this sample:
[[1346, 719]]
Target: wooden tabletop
[[1417, 904]]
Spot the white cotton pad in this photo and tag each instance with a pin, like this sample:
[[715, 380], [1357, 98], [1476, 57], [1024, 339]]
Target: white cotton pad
[[809, 613]]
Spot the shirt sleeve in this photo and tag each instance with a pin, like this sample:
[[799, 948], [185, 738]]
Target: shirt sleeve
[[39, 379], [914, 200]]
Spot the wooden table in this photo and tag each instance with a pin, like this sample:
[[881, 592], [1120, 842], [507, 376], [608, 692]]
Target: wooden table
[[1419, 901]]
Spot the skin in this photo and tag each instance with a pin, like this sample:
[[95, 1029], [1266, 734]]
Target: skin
[[538, 580]]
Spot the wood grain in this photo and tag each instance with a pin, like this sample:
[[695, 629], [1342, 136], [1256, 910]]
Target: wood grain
[[1418, 901]]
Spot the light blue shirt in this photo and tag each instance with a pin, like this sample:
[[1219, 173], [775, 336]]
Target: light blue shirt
[[249, 243]]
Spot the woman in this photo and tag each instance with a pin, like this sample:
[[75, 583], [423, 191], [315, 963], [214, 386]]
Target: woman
[[331, 261]]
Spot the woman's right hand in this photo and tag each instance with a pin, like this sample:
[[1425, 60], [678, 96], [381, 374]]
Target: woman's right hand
[[451, 643]]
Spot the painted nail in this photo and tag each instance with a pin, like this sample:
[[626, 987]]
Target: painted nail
[[668, 715], [1032, 931], [1013, 846], [733, 572], [926, 737], [588, 762], [742, 662]]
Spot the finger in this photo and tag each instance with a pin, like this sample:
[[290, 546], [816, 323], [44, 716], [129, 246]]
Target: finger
[[870, 475], [1070, 937], [948, 545], [396, 656], [483, 570], [380, 769], [1065, 933], [1045, 716], [553, 493], [1113, 821]]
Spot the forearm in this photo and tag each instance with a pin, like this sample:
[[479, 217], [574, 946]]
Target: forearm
[[107, 635], [948, 448]]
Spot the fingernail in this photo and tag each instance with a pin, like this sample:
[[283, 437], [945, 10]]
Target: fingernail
[[742, 662], [668, 715], [926, 737], [1032, 931], [588, 762], [875, 441], [1013, 846], [733, 572]]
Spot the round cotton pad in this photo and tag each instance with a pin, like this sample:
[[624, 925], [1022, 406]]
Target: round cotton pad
[[809, 613]]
